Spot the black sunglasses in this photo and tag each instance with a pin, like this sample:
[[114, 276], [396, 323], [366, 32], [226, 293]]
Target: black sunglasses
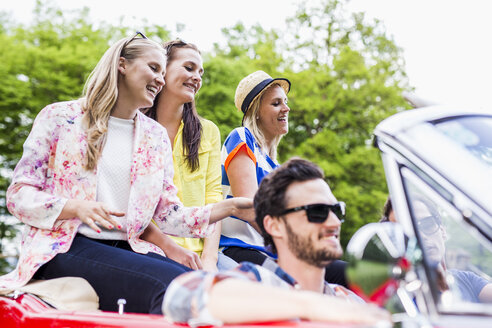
[[175, 43], [318, 213], [137, 33], [428, 225]]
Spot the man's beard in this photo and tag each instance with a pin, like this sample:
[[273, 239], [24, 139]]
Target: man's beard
[[303, 249]]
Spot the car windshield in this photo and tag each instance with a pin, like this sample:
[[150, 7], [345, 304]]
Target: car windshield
[[472, 132], [461, 256]]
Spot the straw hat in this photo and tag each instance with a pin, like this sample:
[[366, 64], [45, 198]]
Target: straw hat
[[252, 86]]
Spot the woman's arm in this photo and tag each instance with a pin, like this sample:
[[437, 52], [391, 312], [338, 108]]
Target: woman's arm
[[210, 252], [153, 235], [213, 194], [29, 197], [240, 207], [242, 177]]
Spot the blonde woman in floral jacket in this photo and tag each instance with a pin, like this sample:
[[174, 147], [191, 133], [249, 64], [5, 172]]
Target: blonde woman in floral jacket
[[93, 174]]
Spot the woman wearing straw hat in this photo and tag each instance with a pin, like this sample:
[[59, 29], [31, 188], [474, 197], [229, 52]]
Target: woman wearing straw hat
[[249, 153]]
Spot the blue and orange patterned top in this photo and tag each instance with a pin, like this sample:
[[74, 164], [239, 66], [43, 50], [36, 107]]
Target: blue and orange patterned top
[[236, 232]]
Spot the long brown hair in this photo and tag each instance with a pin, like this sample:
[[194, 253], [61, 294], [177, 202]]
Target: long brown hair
[[101, 92], [192, 127]]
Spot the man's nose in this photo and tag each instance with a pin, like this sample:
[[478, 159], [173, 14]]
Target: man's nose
[[333, 220]]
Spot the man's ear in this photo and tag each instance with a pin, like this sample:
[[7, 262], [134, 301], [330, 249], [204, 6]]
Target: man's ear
[[444, 234], [273, 226], [122, 65]]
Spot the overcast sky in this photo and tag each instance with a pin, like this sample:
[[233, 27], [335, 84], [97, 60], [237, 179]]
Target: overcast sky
[[446, 43]]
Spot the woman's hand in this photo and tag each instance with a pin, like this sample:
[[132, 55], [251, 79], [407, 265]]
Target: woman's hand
[[246, 213], [91, 213], [182, 255], [243, 209], [153, 235]]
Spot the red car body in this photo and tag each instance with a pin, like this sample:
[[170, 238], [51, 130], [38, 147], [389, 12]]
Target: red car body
[[28, 311]]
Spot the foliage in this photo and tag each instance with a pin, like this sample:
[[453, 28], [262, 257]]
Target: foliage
[[346, 74], [215, 99]]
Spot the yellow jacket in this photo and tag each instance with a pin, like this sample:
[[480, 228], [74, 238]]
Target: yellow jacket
[[202, 186]]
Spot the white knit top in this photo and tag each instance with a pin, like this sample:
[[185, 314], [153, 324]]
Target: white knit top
[[113, 176]]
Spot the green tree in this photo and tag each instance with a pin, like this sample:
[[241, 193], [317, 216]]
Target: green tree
[[352, 77], [215, 100]]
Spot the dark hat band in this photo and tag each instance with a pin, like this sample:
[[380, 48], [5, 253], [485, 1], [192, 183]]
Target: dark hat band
[[253, 93]]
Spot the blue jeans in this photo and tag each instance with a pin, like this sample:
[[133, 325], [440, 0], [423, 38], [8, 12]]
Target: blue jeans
[[115, 271]]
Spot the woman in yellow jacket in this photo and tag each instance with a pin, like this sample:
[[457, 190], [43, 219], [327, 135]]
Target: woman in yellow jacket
[[196, 156]]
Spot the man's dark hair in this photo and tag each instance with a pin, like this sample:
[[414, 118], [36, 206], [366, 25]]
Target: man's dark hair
[[387, 209], [430, 205], [270, 197]]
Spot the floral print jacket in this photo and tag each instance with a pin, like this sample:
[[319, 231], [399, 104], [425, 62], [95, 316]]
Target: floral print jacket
[[51, 171]]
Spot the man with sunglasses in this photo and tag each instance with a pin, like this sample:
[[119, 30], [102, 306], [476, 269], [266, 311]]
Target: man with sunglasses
[[300, 220], [472, 288]]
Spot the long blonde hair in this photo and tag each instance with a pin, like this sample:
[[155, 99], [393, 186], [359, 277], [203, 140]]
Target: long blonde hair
[[251, 123], [101, 92]]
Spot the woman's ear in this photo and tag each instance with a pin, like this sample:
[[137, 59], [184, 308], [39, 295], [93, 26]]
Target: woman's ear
[[122, 66], [273, 226]]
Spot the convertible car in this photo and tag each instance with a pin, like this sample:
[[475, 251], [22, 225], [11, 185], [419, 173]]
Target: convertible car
[[438, 254], [432, 268]]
